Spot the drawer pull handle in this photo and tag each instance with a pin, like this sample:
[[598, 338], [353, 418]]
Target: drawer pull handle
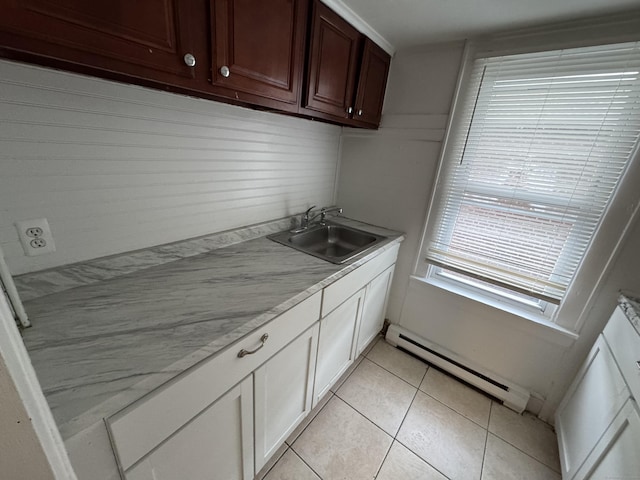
[[638, 364], [263, 340]]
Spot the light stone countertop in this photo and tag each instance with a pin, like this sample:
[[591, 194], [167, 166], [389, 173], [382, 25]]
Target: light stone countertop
[[630, 305], [97, 348]]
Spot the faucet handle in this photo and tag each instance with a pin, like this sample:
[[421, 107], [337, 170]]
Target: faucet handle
[[325, 210], [304, 221]]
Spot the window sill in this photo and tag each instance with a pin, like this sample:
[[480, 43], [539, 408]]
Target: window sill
[[549, 330]]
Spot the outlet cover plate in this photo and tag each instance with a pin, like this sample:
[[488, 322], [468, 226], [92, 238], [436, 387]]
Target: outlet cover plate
[[35, 237]]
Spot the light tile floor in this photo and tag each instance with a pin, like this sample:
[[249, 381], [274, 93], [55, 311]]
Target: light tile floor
[[391, 417]]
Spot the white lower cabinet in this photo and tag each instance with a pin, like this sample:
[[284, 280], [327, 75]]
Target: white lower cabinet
[[200, 426], [283, 394], [337, 344], [374, 308], [598, 387], [598, 424], [144, 426], [215, 445], [616, 455]]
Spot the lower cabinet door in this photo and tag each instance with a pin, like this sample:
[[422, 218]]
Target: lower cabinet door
[[337, 344], [592, 402], [374, 308], [215, 445], [616, 455], [283, 393]]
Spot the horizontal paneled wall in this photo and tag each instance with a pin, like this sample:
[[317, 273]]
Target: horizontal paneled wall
[[117, 167]]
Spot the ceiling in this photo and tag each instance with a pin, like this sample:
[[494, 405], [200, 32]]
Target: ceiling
[[405, 23]]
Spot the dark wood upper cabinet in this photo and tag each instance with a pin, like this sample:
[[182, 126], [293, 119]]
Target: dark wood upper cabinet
[[268, 54], [142, 38], [372, 83], [347, 72], [258, 49], [333, 63]]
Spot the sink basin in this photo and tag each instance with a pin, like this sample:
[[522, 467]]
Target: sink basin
[[331, 242]]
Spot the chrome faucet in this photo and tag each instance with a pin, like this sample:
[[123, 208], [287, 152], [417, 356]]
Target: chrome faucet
[[306, 220], [323, 214]]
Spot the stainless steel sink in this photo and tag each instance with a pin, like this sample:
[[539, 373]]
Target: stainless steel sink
[[332, 242]]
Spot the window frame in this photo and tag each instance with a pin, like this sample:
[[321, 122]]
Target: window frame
[[512, 301], [570, 314]]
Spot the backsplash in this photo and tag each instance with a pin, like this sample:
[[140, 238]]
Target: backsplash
[[54, 280], [117, 168]]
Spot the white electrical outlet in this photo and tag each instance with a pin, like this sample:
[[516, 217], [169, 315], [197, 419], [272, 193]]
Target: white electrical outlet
[[35, 236]]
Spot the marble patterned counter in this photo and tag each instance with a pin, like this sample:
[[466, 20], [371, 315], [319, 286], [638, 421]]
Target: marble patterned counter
[[102, 344], [630, 305]]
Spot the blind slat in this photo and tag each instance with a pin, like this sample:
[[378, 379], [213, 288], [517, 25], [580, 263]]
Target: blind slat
[[542, 142]]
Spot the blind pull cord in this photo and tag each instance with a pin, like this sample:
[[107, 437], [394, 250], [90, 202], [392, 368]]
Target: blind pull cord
[[473, 114]]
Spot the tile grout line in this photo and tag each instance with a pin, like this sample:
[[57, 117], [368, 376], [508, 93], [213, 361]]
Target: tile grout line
[[395, 374], [489, 431], [395, 438], [363, 416], [352, 408], [399, 426], [455, 379], [303, 461], [486, 441], [410, 405], [384, 459], [367, 418], [276, 462], [523, 452], [454, 410], [328, 396], [422, 459], [495, 434], [331, 395]]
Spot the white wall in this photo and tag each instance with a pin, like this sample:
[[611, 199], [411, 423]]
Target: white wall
[[386, 178], [386, 175], [117, 167]]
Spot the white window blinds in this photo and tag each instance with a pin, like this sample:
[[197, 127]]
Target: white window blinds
[[539, 145]]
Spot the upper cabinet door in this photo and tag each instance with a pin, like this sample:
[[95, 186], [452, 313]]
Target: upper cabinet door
[[333, 63], [142, 38], [371, 84], [258, 48]]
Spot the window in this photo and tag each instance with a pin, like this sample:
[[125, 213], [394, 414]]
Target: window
[[537, 148]]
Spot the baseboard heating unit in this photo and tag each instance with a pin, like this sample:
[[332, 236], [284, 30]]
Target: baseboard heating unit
[[513, 396]]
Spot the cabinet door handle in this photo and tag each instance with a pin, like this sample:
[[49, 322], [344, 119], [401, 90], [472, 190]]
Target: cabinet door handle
[[263, 340], [350, 110], [638, 364], [359, 113], [189, 60], [224, 71]]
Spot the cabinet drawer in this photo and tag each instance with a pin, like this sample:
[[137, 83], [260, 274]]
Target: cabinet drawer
[[143, 425], [342, 289], [624, 342]]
